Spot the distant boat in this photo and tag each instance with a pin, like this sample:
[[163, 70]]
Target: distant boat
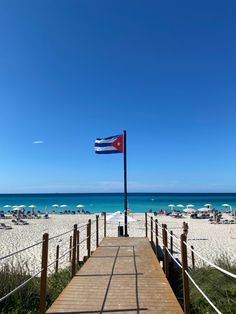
[[152, 199]]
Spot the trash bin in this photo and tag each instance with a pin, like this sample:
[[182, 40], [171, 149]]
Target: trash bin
[[120, 231]]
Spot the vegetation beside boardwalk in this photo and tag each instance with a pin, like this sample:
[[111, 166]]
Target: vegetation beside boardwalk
[[218, 287], [26, 300]]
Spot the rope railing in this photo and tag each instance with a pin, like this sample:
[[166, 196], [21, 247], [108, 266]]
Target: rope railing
[[182, 246], [60, 235], [174, 258], [59, 258], [20, 286], [194, 283], [22, 250], [172, 235], [203, 294], [83, 240], [73, 251], [210, 263]]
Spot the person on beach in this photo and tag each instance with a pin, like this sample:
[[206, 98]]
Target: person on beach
[[185, 228]]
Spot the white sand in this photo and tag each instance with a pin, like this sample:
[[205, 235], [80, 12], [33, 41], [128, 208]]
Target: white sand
[[210, 240]]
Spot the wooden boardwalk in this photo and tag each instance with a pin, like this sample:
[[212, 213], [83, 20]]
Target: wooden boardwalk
[[122, 276]]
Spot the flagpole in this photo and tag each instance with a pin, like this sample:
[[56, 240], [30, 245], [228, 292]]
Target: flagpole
[[125, 186]]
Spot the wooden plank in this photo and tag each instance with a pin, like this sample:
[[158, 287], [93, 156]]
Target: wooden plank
[[122, 276]]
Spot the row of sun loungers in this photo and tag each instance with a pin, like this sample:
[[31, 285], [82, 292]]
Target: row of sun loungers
[[19, 222], [4, 226], [15, 222]]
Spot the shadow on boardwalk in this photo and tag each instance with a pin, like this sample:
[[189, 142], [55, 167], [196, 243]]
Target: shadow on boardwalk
[[122, 276]]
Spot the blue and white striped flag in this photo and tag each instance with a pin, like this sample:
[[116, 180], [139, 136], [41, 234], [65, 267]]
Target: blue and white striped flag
[[109, 145]]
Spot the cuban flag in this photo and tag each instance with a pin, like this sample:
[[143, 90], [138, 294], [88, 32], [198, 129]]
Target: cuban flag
[[109, 145]]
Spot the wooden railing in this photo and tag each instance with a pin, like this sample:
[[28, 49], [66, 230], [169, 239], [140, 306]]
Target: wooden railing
[[73, 253], [161, 238]]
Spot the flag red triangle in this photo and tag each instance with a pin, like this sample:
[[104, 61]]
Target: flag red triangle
[[118, 143]]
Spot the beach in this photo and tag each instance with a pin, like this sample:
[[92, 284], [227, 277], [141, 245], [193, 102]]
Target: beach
[[212, 241]]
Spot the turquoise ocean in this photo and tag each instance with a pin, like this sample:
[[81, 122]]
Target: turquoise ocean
[[111, 202]]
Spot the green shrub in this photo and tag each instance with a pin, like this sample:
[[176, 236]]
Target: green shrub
[[219, 288], [26, 300]]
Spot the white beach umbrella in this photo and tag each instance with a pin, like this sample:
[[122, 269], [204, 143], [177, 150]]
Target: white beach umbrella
[[171, 205], [80, 206], [203, 209], [189, 210], [7, 206], [180, 206], [55, 205], [15, 206], [64, 205], [31, 206], [22, 206], [225, 205], [119, 217], [207, 205], [190, 206], [17, 209]]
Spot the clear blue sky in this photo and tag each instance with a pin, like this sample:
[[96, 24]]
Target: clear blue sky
[[71, 71]]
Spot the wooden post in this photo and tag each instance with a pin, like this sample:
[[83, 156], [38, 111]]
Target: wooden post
[[97, 231], [156, 229], [89, 237], [70, 246], [77, 247], [166, 257], [193, 258], [43, 279], [73, 264], [151, 230], [184, 276], [162, 233], [146, 225], [57, 257], [171, 264], [105, 225], [171, 242]]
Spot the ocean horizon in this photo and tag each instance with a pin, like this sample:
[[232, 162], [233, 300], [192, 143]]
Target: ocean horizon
[[110, 202]]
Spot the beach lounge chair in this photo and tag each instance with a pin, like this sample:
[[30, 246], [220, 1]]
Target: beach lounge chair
[[15, 222], [5, 226], [23, 222]]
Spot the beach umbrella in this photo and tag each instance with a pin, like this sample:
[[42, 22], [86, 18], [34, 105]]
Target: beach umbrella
[[22, 206], [171, 205], [180, 206], [7, 206], [63, 206], [190, 206], [203, 209], [15, 206], [33, 207], [189, 210], [55, 205], [80, 206], [119, 217], [225, 205], [18, 210]]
